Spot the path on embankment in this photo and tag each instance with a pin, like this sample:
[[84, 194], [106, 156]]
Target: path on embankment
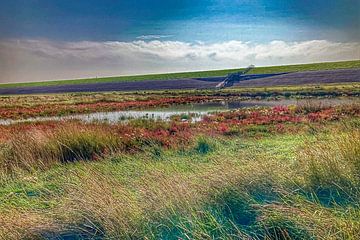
[[251, 80]]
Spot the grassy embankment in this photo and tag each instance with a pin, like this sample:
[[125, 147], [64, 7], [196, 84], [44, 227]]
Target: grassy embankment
[[260, 174], [214, 73]]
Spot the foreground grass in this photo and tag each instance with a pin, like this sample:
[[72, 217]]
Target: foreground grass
[[214, 73], [253, 184]]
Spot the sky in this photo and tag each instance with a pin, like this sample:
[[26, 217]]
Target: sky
[[65, 39]]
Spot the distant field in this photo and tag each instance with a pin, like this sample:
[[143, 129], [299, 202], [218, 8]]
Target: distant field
[[214, 73], [40, 105]]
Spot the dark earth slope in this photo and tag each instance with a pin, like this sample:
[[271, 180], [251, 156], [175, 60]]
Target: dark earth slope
[[251, 80], [301, 78]]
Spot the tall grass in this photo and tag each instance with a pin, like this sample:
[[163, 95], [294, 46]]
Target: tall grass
[[229, 199], [332, 168], [218, 190], [33, 150]]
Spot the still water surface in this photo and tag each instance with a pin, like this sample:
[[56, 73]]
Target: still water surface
[[197, 110]]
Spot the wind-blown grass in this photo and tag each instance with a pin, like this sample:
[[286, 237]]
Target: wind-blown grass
[[332, 169], [298, 184], [28, 146]]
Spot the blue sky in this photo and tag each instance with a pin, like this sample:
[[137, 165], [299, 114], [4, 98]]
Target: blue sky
[[56, 39], [186, 20]]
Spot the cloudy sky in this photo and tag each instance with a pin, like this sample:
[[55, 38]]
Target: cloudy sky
[[64, 39]]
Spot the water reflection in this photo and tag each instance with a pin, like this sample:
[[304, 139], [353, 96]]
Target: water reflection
[[196, 110]]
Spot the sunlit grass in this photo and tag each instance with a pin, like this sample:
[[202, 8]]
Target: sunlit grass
[[237, 187], [254, 173]]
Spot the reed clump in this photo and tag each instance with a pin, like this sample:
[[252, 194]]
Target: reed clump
[[34, 150]]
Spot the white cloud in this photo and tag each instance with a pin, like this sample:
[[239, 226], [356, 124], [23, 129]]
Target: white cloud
[[34, 60], [153, 36]]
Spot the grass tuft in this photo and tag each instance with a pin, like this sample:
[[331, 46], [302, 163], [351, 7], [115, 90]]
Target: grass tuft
[[332, 168], [204, 146]]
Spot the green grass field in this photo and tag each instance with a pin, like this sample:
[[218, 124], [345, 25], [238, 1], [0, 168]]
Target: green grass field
[[214, 73], [260, 186]]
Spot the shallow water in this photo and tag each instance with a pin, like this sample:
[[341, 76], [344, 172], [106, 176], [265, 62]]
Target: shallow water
[[196, 110]]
